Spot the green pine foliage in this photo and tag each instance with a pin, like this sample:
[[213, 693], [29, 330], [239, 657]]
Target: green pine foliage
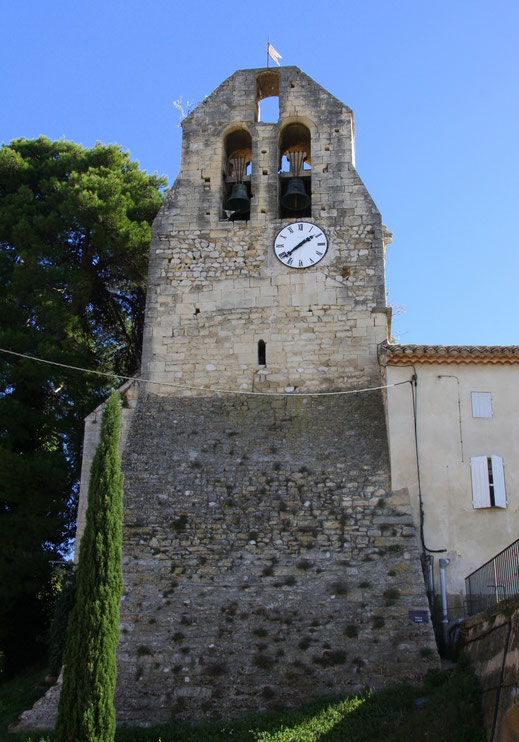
[[75, 227], [86, 711]]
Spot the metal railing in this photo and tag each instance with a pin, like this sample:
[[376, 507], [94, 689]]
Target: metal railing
[[494, 581]]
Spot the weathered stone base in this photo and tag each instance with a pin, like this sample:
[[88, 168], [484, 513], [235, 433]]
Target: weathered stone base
[[42, 716], [260, 543], [266, 561]]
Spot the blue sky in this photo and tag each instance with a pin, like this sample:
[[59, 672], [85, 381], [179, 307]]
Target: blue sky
[[434, 88]]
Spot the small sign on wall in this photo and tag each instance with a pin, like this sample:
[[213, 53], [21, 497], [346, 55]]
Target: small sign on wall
[[418, 616]]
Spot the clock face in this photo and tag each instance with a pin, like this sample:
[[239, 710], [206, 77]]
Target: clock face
[[300, 245]]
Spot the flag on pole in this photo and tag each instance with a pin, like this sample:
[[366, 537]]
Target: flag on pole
[[274, 54]]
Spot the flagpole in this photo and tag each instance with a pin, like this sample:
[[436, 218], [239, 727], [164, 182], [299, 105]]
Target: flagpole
[[268, 44]]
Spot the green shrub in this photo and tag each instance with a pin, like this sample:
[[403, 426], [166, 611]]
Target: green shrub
[[391, 595], [216, 669], [264, 661], [330, 657], [339, 588], [180, 523]]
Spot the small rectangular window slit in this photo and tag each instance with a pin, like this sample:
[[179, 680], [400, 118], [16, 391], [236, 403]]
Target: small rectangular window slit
[[262, 353]]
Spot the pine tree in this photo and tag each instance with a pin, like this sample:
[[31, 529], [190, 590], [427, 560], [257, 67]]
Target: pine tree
[[86, 712], [75, 227]]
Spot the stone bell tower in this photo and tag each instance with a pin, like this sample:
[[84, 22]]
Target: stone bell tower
[[219, 284], [265, 559]]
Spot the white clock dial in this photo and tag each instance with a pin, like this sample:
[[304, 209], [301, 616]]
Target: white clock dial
[[300, 245]]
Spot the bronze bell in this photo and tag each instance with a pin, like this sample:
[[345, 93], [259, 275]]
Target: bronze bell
[[239, 199], [296, 198]]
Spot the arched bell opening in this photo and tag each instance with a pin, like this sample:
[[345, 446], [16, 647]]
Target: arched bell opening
[[237, 175], [267, 89], [295, 176]]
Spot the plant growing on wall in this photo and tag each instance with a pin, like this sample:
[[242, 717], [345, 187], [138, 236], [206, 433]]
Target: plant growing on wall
[[86, 711]]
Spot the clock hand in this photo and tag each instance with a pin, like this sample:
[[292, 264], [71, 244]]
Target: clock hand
[[307, 239]]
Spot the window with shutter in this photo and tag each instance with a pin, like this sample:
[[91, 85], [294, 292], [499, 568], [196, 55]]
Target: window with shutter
[[499, 482], [481, 404], [488, 482]]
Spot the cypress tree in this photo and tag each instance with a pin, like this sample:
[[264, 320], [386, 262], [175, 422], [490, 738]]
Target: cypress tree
[[86, 712]]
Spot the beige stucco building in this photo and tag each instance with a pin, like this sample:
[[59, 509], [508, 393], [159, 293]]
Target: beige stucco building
[[453, 422]]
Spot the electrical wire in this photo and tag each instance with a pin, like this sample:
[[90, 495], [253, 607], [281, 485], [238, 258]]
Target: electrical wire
[[414, 383], [199, 388]]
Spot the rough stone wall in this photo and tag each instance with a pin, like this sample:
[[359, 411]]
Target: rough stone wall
[[265, 559], [321, 328], [491, 642]]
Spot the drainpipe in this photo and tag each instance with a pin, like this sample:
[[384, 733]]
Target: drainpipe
[[430, 560], [443, 585]]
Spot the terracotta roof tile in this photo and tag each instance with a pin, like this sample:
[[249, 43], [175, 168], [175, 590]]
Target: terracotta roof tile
[[459, 354]]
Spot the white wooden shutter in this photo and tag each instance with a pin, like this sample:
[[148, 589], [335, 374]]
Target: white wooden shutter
[[480, 488], [481, 404], [498, 476]]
